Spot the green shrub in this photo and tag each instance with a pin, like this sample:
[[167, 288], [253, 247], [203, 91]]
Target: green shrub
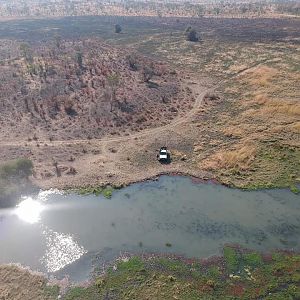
[[51, 291], [118, 28], [191, 34], [133, 264], [21, 168], [214, 272], [107, 192], [76, 293], [293, 291], [294, 189], [231, 259], [252, 259], [174, 265]]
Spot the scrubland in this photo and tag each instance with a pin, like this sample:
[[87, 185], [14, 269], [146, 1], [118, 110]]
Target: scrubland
[[243, 73]]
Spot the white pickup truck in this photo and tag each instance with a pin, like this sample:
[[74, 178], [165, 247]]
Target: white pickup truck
[[163, 155]]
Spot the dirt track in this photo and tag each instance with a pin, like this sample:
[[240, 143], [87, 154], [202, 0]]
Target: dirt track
[[113, 160], [119, 160], [143, 133]]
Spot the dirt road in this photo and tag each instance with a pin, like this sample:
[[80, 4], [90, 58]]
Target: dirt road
[[177, 121], [112, 160]]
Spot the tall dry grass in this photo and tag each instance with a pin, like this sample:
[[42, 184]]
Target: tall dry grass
[[239, 158], [261, 76], [234, 131], [288, 108], [270, 107], [295, 127]]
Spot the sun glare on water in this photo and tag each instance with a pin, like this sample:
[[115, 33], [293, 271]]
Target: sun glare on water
[[29, 210]]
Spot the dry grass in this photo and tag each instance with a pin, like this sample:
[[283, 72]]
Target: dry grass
[[233, 131], [260, 99], [288, 108], [238, 158], [270, 107], [20, 284], [295, 127], [262, 76]]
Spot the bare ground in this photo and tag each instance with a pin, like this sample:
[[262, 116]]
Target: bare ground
[[21, 284]]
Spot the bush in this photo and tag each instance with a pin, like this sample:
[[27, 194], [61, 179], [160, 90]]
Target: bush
[[132, 61], [231, 259], [133, 264], [252, 259], [148, 73], [191, 35], [107, 192], [69, 107], [13, 180], [79, 59], [21, 168], [26, 52], [118, 28]]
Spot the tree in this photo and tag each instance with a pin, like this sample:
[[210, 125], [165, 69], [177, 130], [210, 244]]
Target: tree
[[27, 52], [79, 59], [148, 73], [132, 60], [216, 10], [113, 82], [118, 28], [57, 169], [188, 29], [191, 34], [200, 11], [57, 39], [69, 107]]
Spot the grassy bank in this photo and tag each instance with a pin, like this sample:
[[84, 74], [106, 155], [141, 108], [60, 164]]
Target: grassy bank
[[104, 191], [239, 274]]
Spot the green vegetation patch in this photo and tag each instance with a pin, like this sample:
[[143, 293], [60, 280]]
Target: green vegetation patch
[[231, 259], [132, 265], [256, 276], [252, 259], [20, 168], [105, 191], [51, 291], [276, 166], [14, 179]]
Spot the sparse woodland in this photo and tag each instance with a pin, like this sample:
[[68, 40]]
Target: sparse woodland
[[83, 89]]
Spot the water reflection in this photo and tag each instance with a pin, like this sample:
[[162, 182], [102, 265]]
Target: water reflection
[[29, 210], [44, 195], [61, 250]]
